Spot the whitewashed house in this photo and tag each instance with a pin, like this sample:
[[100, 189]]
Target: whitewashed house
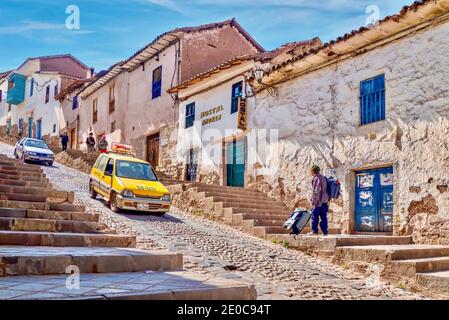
[[371, 108], [31, 91], [130, 103]]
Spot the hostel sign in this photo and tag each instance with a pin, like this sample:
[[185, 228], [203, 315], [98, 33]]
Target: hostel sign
[[212, 115], [243, 115]]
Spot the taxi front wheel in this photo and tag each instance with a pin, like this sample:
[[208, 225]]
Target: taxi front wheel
[[93, 194], [113, 203]]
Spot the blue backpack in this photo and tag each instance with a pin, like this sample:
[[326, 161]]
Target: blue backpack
[[333, 188]]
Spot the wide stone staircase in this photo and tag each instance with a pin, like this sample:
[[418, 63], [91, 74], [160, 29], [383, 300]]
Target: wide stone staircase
[[43, 235], [422, 265], [250, 210]]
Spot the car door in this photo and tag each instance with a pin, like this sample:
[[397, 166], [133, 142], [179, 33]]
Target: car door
[[106, 179], [97, 174], [19, 148]]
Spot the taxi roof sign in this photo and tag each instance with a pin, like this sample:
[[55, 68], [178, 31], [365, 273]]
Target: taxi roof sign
[[121, 148]]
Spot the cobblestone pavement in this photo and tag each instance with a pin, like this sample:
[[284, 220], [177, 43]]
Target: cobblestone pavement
[[212, 248]]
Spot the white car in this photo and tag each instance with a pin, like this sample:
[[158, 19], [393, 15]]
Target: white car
[[34, 150]]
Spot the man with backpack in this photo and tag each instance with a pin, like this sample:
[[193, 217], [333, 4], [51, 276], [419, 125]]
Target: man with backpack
[[320, 201]]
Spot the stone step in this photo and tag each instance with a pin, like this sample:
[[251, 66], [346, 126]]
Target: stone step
[[409, 268], [246, 205], [21, 173], [263, 231], [170, 182], [262, 223], [233, 195], [47, 214], [249, 216], [266, 211], [238, 218], [41, 206], [333, 242], [210, 187], [437, 282], [50, 195], [16, 261], [387, 253], [49, 225], [23, 197], [173, 285], [55, 239], [248, 200], [13, 182], [15, 167], [23, 178]]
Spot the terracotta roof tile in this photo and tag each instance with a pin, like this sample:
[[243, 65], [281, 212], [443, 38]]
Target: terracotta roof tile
[[73, 87], [208, 73], [396, 17]]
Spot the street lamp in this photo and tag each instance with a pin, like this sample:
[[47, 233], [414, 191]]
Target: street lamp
[[259, 73]]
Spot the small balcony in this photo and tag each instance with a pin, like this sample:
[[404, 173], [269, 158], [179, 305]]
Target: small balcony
[[16, 89]]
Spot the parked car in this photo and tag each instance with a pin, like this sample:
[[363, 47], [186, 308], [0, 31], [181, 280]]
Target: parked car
[[34, 150], [128, 183]]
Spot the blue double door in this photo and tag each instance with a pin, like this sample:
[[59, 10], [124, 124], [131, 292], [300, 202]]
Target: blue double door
[[374, 200]]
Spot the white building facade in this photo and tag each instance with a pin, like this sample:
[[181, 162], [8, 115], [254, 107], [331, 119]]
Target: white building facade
[[30, 100], [372, 109]]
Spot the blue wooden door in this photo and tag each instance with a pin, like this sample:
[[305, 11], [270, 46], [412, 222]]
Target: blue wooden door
[[39, 129], [30, 127], [374, 200], [236, 164]]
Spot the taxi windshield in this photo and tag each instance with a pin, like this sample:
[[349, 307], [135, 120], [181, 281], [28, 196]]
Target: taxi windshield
[[36, 144], [135, 170]]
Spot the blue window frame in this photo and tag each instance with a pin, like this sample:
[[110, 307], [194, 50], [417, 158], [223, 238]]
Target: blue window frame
[[157, 83], [75, 103], [372, 100], [237, 92], [190, 115], [32, 87]]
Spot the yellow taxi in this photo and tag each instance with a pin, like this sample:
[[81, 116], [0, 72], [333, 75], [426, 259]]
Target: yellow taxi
[[128, 183]]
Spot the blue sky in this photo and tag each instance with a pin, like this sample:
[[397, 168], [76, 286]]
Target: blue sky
[[112, 30]]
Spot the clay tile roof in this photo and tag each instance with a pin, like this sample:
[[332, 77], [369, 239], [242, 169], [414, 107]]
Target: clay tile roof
[[157, 44], [57, 56], [102, 78], [287, 48], [171, 35], [396, 18], [263, 56], [224, 65], [4, 74], [73, 87]]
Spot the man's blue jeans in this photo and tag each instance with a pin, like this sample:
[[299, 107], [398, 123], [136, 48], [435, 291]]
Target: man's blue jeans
[[318, 214]]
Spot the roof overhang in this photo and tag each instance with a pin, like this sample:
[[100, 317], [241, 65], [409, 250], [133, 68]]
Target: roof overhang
[[214, 78], [134, 62], [151, 50], [114, 71], [418, 16]]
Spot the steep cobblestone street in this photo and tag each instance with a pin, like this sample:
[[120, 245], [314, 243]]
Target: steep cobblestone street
[[210, 247]]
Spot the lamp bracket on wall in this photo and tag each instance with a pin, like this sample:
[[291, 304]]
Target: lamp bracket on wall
[[259, 74]]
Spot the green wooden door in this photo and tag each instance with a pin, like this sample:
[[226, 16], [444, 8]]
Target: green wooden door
[[236, 164]]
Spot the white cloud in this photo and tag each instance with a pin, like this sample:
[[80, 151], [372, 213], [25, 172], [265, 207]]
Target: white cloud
[[30, 26], [169, 4]]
